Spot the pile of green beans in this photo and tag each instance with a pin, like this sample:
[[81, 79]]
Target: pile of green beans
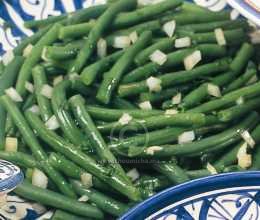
[[107, 107]]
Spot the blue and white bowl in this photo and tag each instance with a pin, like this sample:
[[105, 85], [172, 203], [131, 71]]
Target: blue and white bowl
[[224, 196]]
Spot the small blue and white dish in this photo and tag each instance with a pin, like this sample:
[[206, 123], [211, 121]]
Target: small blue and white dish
[[225, 196]]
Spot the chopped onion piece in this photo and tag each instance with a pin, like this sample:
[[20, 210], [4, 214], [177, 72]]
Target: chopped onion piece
[[255, 37], [7, 57], [248, 138], [213, 90], [133, 37], [122, 42], [252, 80], [183, 42], [13, 94], [133, 174], [220, 37], [244, 159], [46, 91], [86, 179], [39, 178], [171, 112], [145, 105], [176, 99], [154, 84], [240, 100], [27, 50], [169, 28], [186, 137], [83, 198], [125, 119], [192, 60], [152, 149], [102, 47], [158, 57], [52, 123], [57, 80], [211, 169], [29, 86], [11, 144], [234, 14], [35, 109]]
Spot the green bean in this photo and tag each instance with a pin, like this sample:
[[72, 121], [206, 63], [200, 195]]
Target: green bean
[[164, 94], [7, 79], [61, 215], [164, 45], [233, 37], [67, 124], [194, 174], [18, 51], [56, 200], [29, 102], [241, 81], [173, 59], [146, 13], [230, 157], [102, 201], [72, 170], [80, 158], [211, 26], [2, 68], [255, 162], [40, 79], [154, 183], [102, 24], [107, 114], [228, 99], [76, 30], [112, 79], [34, 145], [19, 158], [240, 61], [77, 104], [44, 22], [172, 171], [238, 111], [91, 72], [172, 79], [160, 121], [34, 58], [208, 144], [120, 103]]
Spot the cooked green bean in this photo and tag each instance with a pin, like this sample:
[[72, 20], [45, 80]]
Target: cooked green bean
[[34, 145], [108, 114], [80, 158], [102, 201], [119, 103], [102, 24], [40, 79], [44, 22], [91, 72], [111, 80], [61, 215], [77, 104], [172, 79], [29, 102], [34, 58], [173, 59], [50, 198]]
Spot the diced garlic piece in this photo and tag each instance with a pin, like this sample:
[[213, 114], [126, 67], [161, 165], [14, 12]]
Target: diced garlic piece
[[183, 42], [213, 90], [248, 138], [154, 84], [83, 198], [11, 144], [133, 37], [133, 174], [240, 100], [211, 169], [46, 91], [52, 123], [7, 57], [57, 80], [186, 137], [13, 94], [152, 149], [244, 159], [158, 57], [145, 105], [29, 86], [220, 37], [39, 178], [101, 47], [86, 179], [192, 60], [122, 42], [125, 119], [171, 112], [35, 109], [27, 50], [176, 99], [169, 28]]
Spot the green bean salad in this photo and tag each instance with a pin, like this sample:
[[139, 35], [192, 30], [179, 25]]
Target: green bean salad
[[106, 106]]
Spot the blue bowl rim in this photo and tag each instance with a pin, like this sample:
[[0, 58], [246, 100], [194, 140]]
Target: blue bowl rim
[[188, 189]]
